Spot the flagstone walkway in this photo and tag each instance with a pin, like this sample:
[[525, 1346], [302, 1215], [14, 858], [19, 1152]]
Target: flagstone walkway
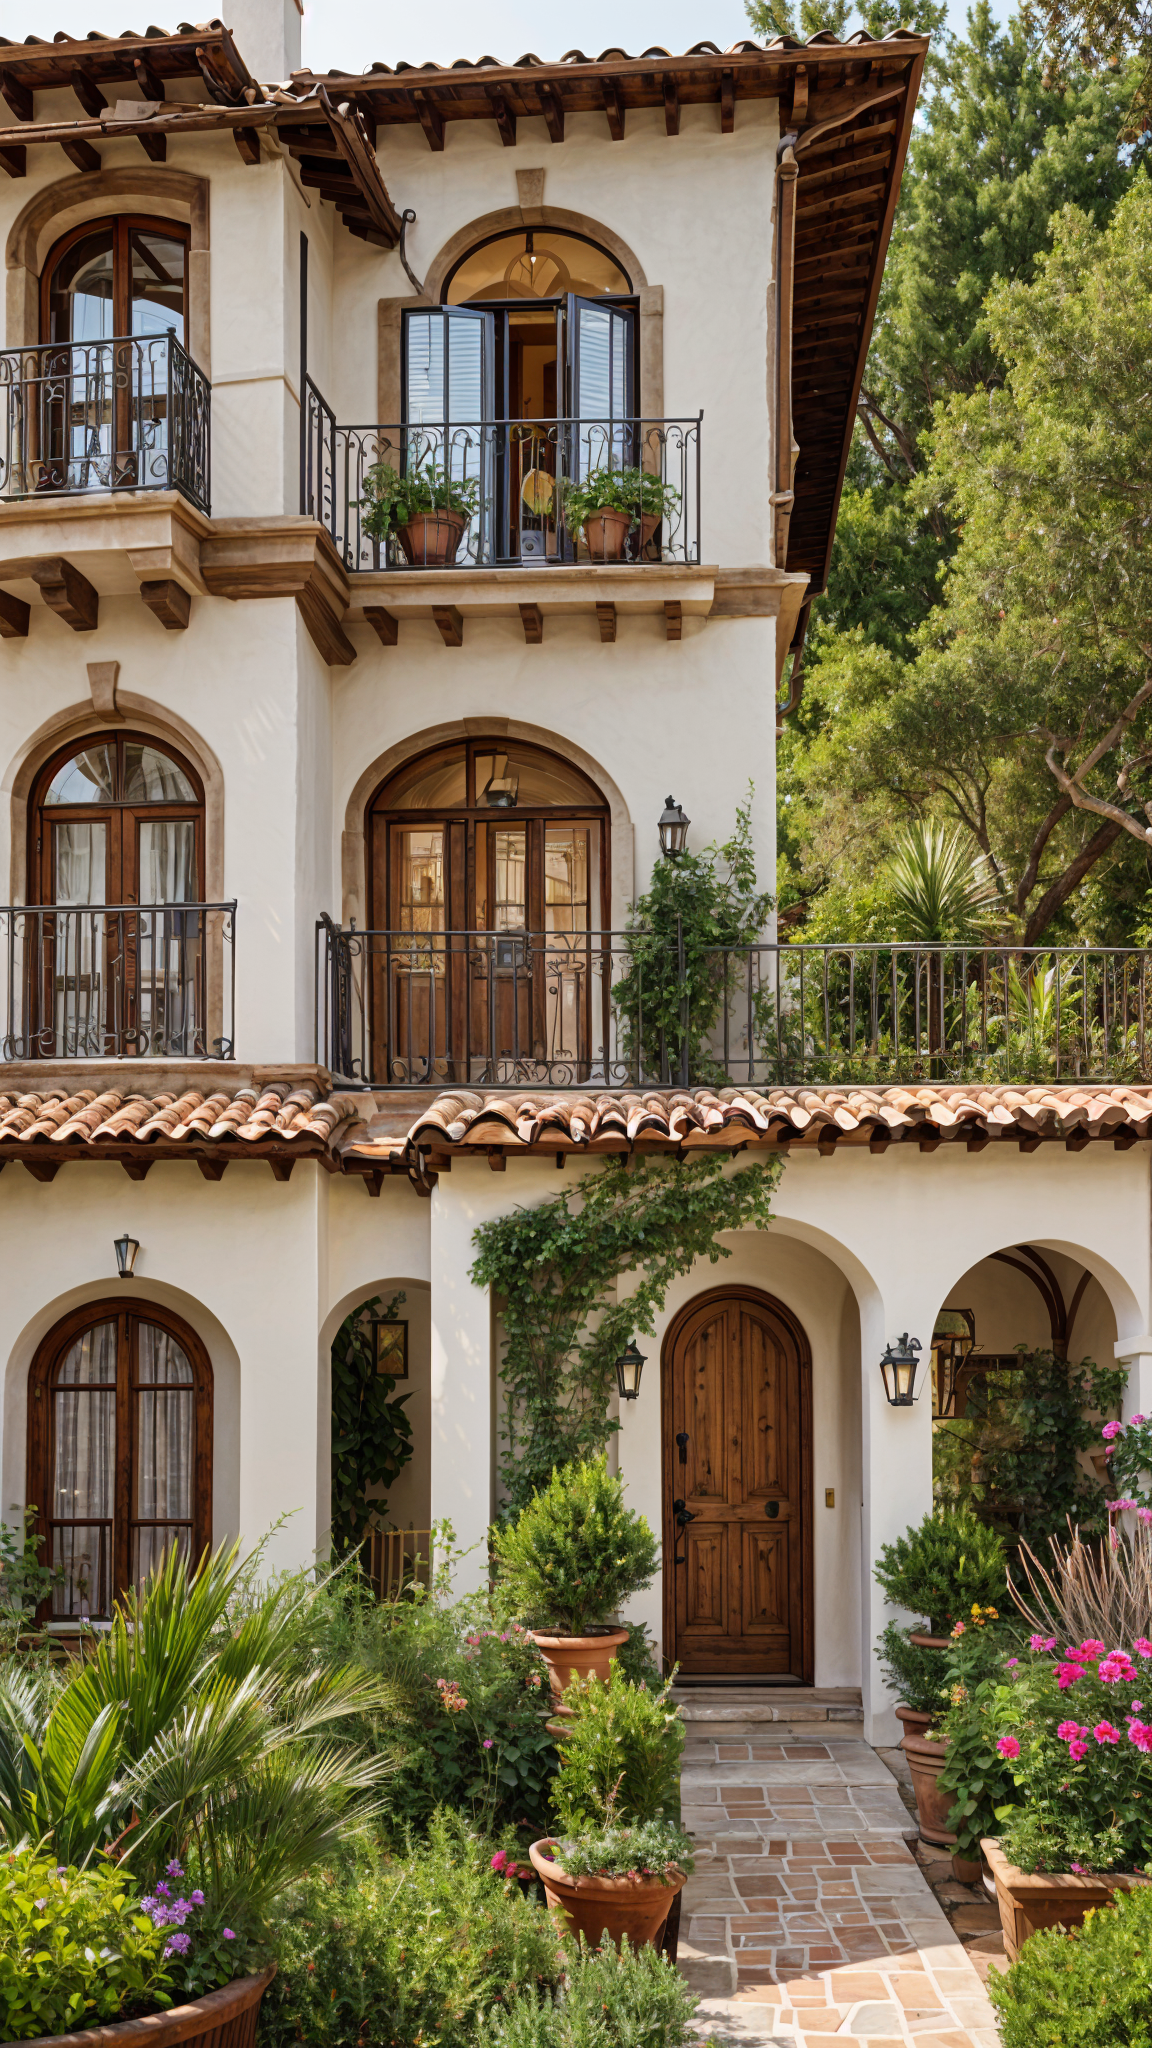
[[808, 1919]]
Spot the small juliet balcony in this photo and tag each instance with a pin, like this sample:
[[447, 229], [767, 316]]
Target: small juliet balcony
[[498, 494], [102, 981], [128, 414]]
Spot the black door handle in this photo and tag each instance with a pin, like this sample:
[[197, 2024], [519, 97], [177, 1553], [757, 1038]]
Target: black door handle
[[682, 1445], [683, 1515]]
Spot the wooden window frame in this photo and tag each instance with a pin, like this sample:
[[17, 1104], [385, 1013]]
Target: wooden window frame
[[127, 1316], [123, 225], [114, 813]]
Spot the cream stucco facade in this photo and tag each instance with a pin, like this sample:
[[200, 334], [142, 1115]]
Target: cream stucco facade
[[290, 747]]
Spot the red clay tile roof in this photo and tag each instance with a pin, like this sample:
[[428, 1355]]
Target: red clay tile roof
[[278, 1119], [460, 1121]]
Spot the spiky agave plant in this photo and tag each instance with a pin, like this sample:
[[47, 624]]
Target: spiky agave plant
[[943, 892], [181, 1737]]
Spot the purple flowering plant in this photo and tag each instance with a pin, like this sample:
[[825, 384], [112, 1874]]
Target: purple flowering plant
[[1072, 1722], [202, 1953]]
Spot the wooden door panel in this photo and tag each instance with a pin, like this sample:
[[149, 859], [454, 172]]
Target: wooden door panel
[[705, 1577], [706, 1411], [738, 1572], [766, 1422]]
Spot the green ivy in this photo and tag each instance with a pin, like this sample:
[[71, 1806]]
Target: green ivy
[[556, 1268], [371, 1434], [704, 904], [1014, 1456]]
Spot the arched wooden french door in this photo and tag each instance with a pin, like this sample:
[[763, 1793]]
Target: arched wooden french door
[[737, 1422], [119, 1450]]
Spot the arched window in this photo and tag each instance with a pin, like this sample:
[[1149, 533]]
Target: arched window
[[109, 408], [490, 873], [117, 852], [119, 1450]]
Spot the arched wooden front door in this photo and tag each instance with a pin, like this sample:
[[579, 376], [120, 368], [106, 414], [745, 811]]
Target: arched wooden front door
[[737, 1408]]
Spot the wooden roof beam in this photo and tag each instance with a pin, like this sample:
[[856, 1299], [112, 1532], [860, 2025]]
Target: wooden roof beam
[[88, 93], [614, 108], [81, 154], [727, 102], [17, 97], [504, 118], [671, 105], [151, 87], [352, 143], [14, 158], [247, 141], [431, 119], [552, 108]]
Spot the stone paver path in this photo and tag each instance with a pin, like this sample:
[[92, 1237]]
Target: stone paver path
[[808, 1918]]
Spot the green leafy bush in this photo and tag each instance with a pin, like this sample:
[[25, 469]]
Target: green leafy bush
[[916, 1676], [468, 1700], [634, 491], [425, 1947], [631, 2000], [371, 1432], [653, 1848], [978, 1777], [951, 1563], [576, 1552], [1091, 1988], [620, 1759], [1015, 1456], [638, 1658], [76, 1949]]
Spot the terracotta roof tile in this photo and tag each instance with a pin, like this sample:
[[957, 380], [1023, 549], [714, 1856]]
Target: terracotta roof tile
[[460, 1121], [285, 1114]]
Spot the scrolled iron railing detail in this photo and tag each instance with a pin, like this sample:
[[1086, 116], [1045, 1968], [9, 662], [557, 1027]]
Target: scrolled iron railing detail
[[130, 413], [517, 474], [115, 981], [609, 1009]]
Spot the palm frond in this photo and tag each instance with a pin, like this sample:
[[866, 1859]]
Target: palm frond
[[942, 889]]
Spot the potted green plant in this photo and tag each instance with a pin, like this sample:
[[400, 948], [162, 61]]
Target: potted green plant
[[609, 502], [572, 1556], [619, 1856], [1070, 1727], [913, 1674], [950, 1565], [426, 508]]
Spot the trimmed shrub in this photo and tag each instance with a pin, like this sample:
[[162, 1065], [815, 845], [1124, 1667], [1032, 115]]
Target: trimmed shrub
[[1091, 1988], [949, 1565], [576, 1552], [915, 1676], [76, 1949], [631, 2000], [620, 1758]]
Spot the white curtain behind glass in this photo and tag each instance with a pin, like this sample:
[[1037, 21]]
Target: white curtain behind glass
[[163, 1447], [78, 943], [84, 1472]]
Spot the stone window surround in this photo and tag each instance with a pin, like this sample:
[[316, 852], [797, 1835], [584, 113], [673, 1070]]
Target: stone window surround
[[97, 196], [508, 220]]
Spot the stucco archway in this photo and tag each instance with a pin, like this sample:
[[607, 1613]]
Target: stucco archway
[[93, 196]]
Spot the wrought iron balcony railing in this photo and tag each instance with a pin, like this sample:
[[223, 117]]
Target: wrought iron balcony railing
[[130, 414], [627, 1009], [493, 493], [113, 980]]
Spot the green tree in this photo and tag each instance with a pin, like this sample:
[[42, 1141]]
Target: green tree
[[781, 18], [877, 740]]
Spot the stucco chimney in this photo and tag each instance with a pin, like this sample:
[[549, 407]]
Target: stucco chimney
[[267, 35]]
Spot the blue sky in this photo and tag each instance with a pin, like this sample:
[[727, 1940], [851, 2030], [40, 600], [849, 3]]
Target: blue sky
[[355, 33]]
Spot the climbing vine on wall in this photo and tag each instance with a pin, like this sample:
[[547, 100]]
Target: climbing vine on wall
[[556, 1268], [1014, 1455], [371, 1432]]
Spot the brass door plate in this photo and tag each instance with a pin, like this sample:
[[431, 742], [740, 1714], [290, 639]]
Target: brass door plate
[[829, 1496]]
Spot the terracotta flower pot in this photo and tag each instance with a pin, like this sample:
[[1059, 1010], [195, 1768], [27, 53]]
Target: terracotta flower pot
[[222, 2019], [926, 1760], [581, 1657], [923, 1641], [606, 534], [913, 1721], [649, 527], [595, 1906], [1047, 1898], [966, 1869], [431, 539]]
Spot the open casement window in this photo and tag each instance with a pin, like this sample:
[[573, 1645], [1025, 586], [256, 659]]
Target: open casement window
[[118, 851], [449, 403], [600, 355], [490, 878], [119, 1451], [112, 293]]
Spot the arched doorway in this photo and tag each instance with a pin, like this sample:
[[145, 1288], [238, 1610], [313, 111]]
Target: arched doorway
[[489, 865], [737, 1455], [119, 1450], [118, 962]]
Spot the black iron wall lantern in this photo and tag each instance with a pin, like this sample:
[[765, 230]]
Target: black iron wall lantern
[[126, 1250], [673, 828], [629, 1367], [898, 1366]]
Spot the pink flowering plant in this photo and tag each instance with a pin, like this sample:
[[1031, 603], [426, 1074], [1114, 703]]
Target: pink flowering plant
[[1072, 1723], [1129, 1450]]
